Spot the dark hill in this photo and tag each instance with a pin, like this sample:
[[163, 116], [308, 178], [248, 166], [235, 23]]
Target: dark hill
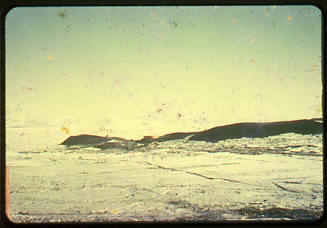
[[163, 138], [232, 131], [254, 130], [173, 136], [84, 140]]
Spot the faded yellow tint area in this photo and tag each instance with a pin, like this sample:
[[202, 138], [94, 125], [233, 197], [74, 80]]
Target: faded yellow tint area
[[115, 68]]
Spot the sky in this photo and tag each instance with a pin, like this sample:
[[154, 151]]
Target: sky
[[134, 71]]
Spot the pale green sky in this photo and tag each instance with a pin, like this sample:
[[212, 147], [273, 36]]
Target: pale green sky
[[152, 70]]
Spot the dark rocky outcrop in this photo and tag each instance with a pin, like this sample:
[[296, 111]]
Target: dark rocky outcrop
[[118, 143], [164, 138], [232, 131], [258, 130], [173, 136], [84, 139], [111, 145], [146, 140]]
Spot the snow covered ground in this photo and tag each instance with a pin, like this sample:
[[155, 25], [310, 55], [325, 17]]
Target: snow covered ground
[[278, 177]]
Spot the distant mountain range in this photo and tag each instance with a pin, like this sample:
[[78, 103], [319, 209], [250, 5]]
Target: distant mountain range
[[231, 131]]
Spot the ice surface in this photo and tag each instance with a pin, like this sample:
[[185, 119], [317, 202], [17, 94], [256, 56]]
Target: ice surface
[[278, 177]]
